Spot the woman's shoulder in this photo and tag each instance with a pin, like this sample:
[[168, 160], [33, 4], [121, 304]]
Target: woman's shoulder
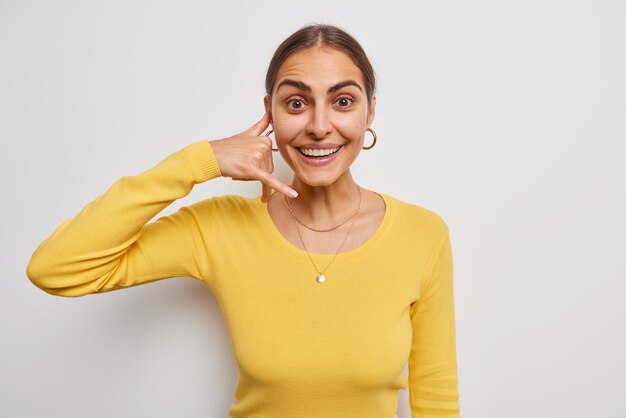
[[226, 204], [414, 215], [225, 213]]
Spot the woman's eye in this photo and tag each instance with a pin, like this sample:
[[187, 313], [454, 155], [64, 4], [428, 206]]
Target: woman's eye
[[298, 104], [344, 101], [298, 101]]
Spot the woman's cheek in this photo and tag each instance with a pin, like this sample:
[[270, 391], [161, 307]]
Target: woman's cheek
[[286, 132], [350, 130]]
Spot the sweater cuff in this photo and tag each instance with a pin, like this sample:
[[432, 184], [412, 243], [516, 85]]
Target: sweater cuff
[[203, 160]]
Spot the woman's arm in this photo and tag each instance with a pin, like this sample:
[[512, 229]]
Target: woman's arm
[[432, 362], [108, 245]]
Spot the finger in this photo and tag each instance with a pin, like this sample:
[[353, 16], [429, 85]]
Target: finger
[[266, 192], [274, 183], [270, 164], [270, 170], [258, 128]]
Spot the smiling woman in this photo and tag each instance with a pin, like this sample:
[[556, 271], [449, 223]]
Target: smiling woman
[[320, 102], [305, 75], [308, 343]]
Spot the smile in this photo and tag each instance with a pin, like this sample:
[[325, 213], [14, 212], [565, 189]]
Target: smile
[[319, 157], [318, 152]]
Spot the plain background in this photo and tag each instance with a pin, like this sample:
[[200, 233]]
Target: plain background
[[506, 118]]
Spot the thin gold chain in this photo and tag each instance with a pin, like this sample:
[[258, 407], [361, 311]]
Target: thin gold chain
[[327, 229], [307, 251]]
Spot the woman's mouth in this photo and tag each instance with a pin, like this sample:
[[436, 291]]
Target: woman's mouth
[[318, 157]]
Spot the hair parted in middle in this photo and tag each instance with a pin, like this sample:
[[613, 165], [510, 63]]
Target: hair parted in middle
[[320, 34]]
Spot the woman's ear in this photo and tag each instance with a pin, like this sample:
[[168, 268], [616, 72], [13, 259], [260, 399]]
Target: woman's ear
[[267, 105], [371, 111]]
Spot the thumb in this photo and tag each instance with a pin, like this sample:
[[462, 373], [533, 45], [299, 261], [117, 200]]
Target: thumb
[[258, 128]]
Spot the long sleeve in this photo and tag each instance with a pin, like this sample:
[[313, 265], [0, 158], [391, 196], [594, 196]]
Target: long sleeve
[[110, 245], [433, 390]]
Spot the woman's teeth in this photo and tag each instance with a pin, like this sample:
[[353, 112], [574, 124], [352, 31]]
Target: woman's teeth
[[318, 152]]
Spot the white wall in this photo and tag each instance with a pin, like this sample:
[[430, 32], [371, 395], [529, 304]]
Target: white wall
[[507, 118]]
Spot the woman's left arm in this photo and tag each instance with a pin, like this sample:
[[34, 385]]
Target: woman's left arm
[[433, 389]]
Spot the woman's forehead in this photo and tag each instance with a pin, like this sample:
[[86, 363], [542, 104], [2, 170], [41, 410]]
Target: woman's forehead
[[318, 68]]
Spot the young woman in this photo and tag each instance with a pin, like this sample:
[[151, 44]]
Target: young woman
[[326, 294]]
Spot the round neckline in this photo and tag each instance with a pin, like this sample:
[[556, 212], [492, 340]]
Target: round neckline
[[272, 230]]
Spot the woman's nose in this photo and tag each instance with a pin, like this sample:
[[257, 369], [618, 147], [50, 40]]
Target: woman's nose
[[319, 125]]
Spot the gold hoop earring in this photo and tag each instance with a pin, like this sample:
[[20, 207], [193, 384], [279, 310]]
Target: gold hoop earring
[[373, 143], [268, 134]]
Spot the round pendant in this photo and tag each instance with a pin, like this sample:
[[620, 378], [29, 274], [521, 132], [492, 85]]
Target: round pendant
[[320, 278]]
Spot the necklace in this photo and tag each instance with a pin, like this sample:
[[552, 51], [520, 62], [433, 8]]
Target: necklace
[[320, 274], [320, 278], [328, 229]]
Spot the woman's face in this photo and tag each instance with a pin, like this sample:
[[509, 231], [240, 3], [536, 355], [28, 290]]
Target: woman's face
[[319, 99]]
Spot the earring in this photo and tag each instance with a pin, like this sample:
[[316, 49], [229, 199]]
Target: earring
[[268, 134], [373, 143]]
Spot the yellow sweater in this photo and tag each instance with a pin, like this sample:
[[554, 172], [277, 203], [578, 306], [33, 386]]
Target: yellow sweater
[[304, 349]]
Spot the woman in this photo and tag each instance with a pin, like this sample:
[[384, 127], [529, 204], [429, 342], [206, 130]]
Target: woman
[[327, 294]]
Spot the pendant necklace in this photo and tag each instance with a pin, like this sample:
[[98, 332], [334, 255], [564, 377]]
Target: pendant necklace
[[320, 278]]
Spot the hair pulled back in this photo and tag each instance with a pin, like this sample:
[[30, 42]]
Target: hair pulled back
[[321, 35]]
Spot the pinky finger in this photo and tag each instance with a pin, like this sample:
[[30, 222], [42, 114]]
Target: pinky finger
[[266, 192]]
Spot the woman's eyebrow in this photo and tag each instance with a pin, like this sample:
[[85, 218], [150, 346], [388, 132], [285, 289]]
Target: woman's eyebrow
[[305, 87]]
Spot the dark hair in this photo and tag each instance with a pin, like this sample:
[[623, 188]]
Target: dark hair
[[321, 35]]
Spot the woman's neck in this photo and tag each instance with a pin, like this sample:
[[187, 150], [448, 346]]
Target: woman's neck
[[322, 205]]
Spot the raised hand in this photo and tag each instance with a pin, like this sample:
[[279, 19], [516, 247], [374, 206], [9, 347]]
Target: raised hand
[[248, 156]]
